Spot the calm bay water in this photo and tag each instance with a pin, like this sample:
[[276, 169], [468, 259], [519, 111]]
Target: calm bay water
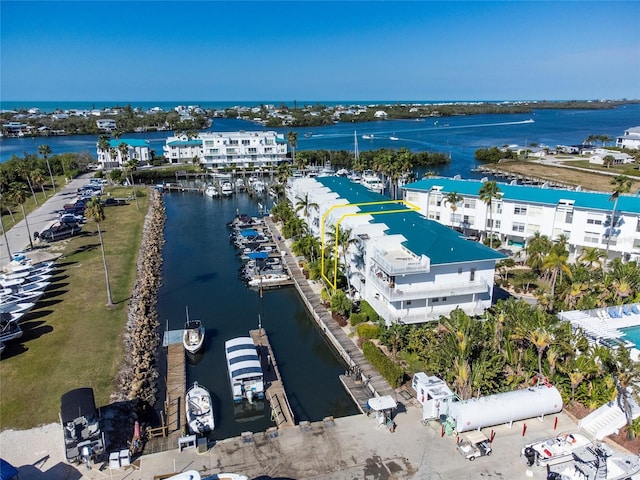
[[459, 136], [200, 272]]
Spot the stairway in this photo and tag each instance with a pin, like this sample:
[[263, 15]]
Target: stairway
[[604, 421]]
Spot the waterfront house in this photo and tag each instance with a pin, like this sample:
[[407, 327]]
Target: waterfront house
[[521, 211], [630, 139], [106, 124], [233, 150], [617, 158], [137, 149], [409, 268]]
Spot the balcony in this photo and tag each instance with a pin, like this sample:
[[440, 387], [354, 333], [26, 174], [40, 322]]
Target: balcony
[[404, 292], [399, 262]]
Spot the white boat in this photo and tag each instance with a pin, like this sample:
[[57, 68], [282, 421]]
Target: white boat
[[211, 191], [240, 185], [199, 410], [193, 335], [258, 187], [596, 462], [18, 308], [227, 189], [558, 449], [9, 329], [245, 371], [267, 280], [9, 299], [372, 181], [367, 137], [394, 138]]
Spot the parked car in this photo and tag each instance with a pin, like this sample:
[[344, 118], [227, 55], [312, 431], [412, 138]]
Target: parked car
[[112, 202], [71, 218], [58, 232]]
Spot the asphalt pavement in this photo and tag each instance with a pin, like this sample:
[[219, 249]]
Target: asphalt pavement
[[39, 219]]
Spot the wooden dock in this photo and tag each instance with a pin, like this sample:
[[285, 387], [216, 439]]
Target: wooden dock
[[281, 412], [176, 390]]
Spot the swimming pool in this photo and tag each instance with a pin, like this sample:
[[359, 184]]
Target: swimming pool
[[632, 334]]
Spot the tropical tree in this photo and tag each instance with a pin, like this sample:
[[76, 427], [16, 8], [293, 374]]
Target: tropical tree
[[453, 199], [129, 167], [537, 248], [18, 193], [541, 339], [38, 179], [621, 184], [45, 151], [487, 194], [24, 170], [591, 257], [556, 263], [3, 203], [305, 205], [292, 138], [608, 160], [95, 211], [626, 374]]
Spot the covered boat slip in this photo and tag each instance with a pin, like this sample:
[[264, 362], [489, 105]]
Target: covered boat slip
[[245, 371]]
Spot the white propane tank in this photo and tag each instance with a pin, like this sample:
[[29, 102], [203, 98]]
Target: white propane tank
[[505, 407]]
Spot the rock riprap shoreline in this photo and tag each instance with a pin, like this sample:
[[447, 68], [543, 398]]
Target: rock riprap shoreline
[[138, 374]]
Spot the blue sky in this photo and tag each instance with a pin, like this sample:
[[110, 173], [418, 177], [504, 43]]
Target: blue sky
[[295, 50]]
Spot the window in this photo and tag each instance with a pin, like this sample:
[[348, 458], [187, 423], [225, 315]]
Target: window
[[518, 227], [520, 210], [246, 142], [469, 203], [472, 275], [636, 243], [591, 237], [459, 270], [594, 221], [233, 142], [568, 217], [496, 223]]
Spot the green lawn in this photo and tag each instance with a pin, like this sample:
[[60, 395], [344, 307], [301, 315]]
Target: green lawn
[[71, 338]]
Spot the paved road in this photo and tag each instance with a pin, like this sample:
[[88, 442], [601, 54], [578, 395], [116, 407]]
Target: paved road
[[39, 219]]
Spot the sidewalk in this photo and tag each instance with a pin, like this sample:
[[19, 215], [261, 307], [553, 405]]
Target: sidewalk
[[39, 219]]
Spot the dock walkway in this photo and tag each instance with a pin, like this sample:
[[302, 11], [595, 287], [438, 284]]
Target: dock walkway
[[281, 412], [360, 373], [176, 389]]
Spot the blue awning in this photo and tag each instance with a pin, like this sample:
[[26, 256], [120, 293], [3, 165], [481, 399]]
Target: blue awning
[[249, 233], [258, 255], [7, 471]]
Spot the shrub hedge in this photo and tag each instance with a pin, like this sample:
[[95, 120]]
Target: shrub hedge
[[357, 318], [368, 331], [368, 311], [389, 370]]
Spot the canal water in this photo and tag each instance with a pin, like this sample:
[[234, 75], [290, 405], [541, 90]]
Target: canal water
[[200, 272]]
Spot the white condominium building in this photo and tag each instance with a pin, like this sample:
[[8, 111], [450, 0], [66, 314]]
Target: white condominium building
[[137, 149], [521, 211], [630, 139], [408, 268], [228, 149]]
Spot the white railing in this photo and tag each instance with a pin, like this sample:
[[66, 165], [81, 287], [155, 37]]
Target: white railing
[[427, 289], [401, 263]]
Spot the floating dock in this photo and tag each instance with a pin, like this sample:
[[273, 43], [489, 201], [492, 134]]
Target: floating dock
[[281, 412]]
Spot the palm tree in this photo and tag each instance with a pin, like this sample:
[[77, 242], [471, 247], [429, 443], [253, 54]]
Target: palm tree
[[38, 179], [283, 172], [25, 172], [292, 138], [129, 168], [305, 205], [3, 203], [123, 148], [555, 263], [621, 184], [608, 160], [488, 192], [453, 199], [18, 193], [95, 210], [45, 151], [591, 257], [537, 248]]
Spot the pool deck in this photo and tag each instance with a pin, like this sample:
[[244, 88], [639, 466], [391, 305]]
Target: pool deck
[[604, 325]]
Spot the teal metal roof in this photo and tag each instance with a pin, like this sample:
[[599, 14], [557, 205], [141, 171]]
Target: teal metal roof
[[529, 194], [423, 236], [185, 143], [132, 142]]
